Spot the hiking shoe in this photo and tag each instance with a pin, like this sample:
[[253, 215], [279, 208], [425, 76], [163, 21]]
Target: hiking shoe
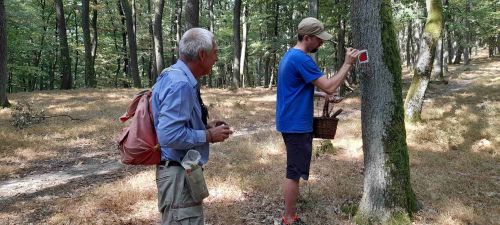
[[296, 221]]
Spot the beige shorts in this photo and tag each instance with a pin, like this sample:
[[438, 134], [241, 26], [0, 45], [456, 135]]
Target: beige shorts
[[175, 203]]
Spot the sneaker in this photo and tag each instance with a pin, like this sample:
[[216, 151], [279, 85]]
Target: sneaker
[[296, 221]]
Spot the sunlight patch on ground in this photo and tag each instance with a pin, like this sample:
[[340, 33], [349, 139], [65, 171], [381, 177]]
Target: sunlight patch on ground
[[265, 98], [221, 191], [456, 213], [352, 147]]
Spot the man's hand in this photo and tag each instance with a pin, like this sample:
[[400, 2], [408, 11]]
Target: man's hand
[[350, 56], [334, 98], [215, 123], [218, 133]]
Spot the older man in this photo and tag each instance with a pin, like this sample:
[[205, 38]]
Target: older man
[[180, 122], [298, 74]]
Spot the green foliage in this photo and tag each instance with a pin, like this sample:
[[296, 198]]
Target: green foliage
[[324, 147], [33, 46]]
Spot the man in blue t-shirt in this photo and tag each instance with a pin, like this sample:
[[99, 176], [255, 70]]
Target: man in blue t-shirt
[[298, 74]]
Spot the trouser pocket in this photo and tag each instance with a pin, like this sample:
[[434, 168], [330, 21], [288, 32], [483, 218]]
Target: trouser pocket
[[189, 215], [197, 185]]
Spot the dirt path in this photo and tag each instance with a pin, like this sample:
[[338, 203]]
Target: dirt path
[[33, 183]]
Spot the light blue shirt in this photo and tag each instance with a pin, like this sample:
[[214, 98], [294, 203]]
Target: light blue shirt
[[177, 114]]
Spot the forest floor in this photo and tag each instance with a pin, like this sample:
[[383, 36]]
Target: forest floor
[[64, 171]]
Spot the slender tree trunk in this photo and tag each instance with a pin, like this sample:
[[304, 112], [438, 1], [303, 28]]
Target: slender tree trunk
[[423, 69], [153, 72], [65, 62], [4, 74], [158, 36], [313, 12], [132, 43], [387, 192], [93, 21], [178, 25], [437, 66], [124, 43], [192, 14], [77, 52], [468, 33], [409, 44], [212, 29], [236, 45], [244, 46], [89, 62]]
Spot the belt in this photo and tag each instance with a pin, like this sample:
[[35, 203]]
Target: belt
[[169, 163]]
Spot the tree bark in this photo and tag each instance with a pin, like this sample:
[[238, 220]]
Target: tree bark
[[124, 43], [132, 43], [244, 46], [192, 14], [93, 22], [387, 192], [423, 68], [236, 45], [158, 36], [468, 32], [65, 62], [313, 12], [89, 62], [4, 74]]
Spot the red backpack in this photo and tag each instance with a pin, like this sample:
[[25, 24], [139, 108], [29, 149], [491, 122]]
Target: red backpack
[[138, 143]]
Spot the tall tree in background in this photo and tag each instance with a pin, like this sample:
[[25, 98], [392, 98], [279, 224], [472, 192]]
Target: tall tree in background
[[244, 45], [4, 75], [65, 61], [236, 45], [93, 22], [192, 14], [387, 191], [90, 80], [133, 69], [158, 36], [423, 68], [313, 12]]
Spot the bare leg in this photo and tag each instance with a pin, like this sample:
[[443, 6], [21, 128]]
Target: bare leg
[[291, 192]]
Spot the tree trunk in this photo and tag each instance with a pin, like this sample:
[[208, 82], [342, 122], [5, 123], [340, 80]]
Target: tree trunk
[[409, 45], [387, 192], [158, 37], [244, 46], [178, 25], [77, 51], [313, 12], [437, 66], [212, 29], [423, 69], [152, 72], [132, 43], [468, 32], [4, 74], [65, 62], [93, 21], [89, 62], [124, 44], [236, 45], [192, 14]]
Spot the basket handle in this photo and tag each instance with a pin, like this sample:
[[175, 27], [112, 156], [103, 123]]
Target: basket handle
[[326, 108]]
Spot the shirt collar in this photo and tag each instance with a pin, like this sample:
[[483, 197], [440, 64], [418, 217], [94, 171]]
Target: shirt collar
[[182, 66]]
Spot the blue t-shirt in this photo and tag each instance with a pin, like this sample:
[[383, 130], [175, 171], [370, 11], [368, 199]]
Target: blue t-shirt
[[294, 103]]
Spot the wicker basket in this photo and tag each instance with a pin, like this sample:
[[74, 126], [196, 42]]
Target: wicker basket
[[325, 126]]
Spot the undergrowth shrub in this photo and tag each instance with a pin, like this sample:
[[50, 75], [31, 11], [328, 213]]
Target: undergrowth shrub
[[25, 114]]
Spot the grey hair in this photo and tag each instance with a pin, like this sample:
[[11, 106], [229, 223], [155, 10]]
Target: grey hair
[[194, 40]]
